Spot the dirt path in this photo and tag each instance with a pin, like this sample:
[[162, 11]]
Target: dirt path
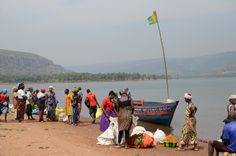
[[59, 139]]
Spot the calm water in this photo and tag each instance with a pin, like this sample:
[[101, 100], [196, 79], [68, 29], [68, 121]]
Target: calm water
[[210, 96]]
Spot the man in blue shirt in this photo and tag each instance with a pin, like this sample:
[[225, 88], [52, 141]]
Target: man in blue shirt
[[228, 143]]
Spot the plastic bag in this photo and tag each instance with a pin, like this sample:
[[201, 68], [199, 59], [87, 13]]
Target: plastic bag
[[159, 136], [138, 130], [110, 136], [99, 113]]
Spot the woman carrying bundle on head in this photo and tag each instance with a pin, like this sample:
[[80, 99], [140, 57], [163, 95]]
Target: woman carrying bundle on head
[[75, 100], [189, 130]]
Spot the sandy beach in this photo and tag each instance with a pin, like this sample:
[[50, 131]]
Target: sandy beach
[[59, 139]]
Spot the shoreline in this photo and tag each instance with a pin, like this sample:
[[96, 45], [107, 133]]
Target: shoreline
[[57, 138]]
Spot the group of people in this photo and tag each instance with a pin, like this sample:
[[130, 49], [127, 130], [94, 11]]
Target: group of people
[[114, 105], [73, 105], [121, 106], [227, 143], [23, 102]]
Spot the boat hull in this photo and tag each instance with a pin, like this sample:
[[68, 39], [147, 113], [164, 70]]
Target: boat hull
[[156, 112]]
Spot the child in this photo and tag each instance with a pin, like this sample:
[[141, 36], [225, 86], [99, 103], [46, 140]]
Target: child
[[68, 106]]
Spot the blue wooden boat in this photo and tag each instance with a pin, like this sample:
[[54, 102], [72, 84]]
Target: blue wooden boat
[[155, 112]]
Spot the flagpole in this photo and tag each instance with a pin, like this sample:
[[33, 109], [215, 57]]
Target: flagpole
[[163, 52]]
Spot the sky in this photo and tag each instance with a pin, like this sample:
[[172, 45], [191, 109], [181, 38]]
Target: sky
[[83, 32]]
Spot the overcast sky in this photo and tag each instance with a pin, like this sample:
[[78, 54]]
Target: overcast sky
[[81, 32]]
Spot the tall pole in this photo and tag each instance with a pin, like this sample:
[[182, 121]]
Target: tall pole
[[163, 52]]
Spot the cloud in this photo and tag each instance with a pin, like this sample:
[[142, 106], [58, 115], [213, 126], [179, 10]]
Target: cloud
[[91, 13], [89, 27]]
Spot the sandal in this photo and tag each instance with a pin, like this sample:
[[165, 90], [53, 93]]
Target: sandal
[[180, 149]]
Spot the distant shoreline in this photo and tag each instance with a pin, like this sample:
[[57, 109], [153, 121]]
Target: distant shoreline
[[60, 82]]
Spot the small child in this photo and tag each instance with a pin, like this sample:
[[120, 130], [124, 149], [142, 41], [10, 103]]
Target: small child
[[68, 106]]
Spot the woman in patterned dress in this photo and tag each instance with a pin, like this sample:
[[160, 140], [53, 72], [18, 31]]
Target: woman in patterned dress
[[189, 128]]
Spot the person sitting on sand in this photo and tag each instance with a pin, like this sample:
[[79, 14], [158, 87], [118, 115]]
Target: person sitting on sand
[[93, 104], [189, 128], [228, 143], [108, 110], [68, 105], [4, 103]]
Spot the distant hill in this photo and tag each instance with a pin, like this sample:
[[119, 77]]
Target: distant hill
[[221, 64], [22, 63]]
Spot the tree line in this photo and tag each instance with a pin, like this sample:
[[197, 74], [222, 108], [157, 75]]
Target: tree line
[[79, 77]]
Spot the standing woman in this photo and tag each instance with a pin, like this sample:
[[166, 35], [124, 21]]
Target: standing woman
[[189, 129], [41, 103], [21, 100], [14, 100], [51, 103], [68, 105], [108, 110], [29, 103], [125, 112], [4, 102]]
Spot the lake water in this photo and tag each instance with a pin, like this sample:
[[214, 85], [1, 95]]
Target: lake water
[[209, 95]]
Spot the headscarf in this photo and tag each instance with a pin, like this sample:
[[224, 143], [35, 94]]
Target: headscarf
[[4, 91], [14, 89], [75, 90], [232, 97], [43, 90], [21, 85], [188, 96]]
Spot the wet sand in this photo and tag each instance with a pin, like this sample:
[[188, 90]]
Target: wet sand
[[59, 139]]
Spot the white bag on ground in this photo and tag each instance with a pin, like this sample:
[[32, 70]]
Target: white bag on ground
[[159, 136], [138, 130], [61, 116], [109, 137]]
